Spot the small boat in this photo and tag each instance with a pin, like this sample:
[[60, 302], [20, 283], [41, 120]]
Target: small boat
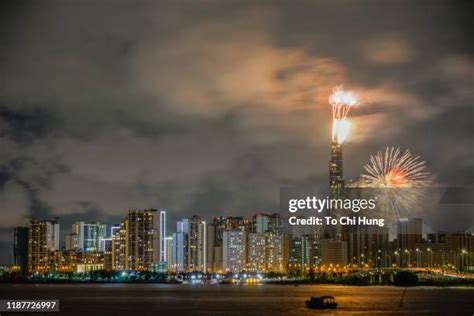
[[321, 302]]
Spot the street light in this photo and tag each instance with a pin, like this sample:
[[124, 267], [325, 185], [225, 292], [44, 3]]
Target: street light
[[430, 257], [408, 252]]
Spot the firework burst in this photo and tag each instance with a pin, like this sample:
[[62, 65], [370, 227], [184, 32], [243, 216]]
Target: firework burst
[[341, 102], [399, 180], [392, 169]]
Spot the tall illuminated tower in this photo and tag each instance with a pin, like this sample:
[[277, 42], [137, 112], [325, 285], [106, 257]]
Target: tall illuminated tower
[[341, 102], [336, 181], [162, 238]]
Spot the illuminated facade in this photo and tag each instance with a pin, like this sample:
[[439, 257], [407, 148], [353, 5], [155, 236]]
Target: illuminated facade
[[142, 240], [87, 236], [234, 250], [267, 252], [197, 240], [162, 238], [43, 241], [120, 247], [336, 181], [257, 256], [305, 253]]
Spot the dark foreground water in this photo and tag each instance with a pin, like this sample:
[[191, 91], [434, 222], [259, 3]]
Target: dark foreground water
[[158, 299]]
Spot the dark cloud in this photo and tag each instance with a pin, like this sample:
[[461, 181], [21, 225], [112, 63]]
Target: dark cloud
[[27, 125], [211, 107]]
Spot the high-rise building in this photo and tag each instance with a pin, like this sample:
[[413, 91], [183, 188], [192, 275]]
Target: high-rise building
[[120, 246], [367, 245], [162, 237], [445, 249], [260, 223], [197, 245], [86, 236], [107, 245], [168, 246], [108, 262], [234, 250], [267, 252], [179, 257], [275, 223], [135, 243], [409, 234], [142, 240], [73, 242], [210, 247], [333, 252], [43, 240], [224, 223], [20, 248], [305, 253], [277, 252], [257, 254], [336, 180], [179, 260], [218, 259]]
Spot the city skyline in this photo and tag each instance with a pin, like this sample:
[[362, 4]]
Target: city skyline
[[212, 109], [260, 244]]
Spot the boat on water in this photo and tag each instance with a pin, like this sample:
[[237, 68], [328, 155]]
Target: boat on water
[[321, 302]]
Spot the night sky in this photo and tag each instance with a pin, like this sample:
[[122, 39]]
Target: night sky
[[209, 107]]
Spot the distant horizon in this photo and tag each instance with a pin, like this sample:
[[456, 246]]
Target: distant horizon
[[199, 107]]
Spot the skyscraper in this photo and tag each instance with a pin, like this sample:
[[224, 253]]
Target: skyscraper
[[257, 259], [367, 245], [43, 240], [168, 247], [336, 181], [210, 247], [142, 240], [20, 248], [409, 234], [305, 252], [180, 246], [120, 246], [267, 252], [162, 237], [108, 246], [223, 223], [277, 252], [88, 236], [336, 185], [197, 244], [234, 250]]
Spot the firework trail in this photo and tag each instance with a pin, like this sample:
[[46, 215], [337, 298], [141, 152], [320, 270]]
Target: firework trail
[[341, 102], [399, 180]]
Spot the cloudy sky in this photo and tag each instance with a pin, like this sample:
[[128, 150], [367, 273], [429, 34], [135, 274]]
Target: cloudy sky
[[210, 107]]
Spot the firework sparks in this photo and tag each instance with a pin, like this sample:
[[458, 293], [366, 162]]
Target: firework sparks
[[392, 169], [341, 102], [399, 180]]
